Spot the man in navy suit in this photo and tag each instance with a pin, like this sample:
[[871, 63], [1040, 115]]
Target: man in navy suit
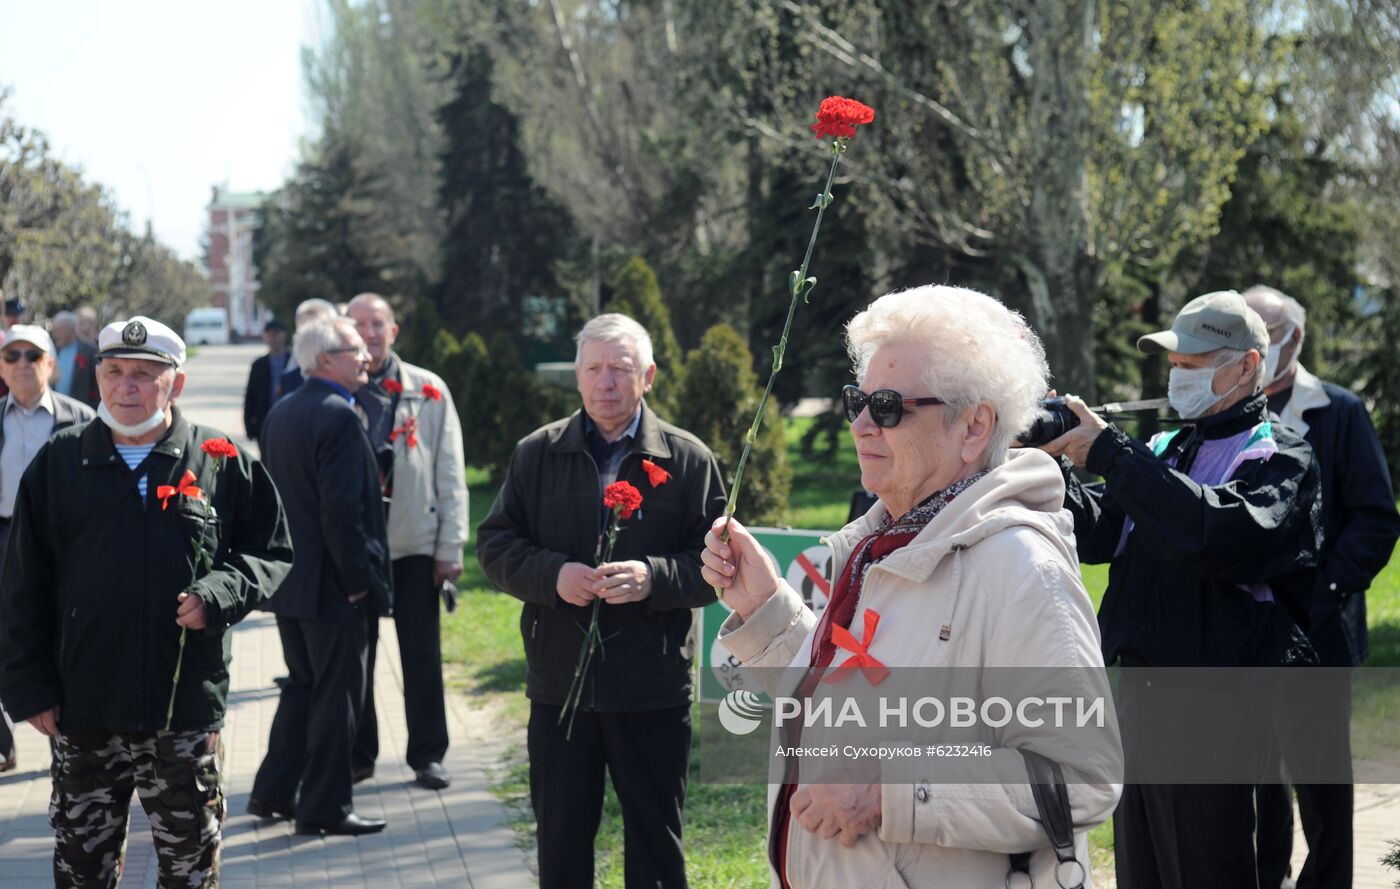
[[265, 379], [320, 459]]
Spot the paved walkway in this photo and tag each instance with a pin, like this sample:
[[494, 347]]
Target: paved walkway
[[452, 838]]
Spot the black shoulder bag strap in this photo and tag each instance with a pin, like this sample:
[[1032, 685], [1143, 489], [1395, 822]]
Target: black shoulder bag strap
[[1052, 800]]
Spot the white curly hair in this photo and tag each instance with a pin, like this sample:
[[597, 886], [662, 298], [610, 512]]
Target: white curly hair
[[978, 351]]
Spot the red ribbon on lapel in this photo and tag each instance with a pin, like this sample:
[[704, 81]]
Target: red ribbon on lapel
[[875, 672], [186, 487]]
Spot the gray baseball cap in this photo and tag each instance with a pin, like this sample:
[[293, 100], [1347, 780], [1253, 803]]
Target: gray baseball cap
[[1219, 320]]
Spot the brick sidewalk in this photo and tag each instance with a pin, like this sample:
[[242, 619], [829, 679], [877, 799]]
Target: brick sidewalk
[[453, 838]]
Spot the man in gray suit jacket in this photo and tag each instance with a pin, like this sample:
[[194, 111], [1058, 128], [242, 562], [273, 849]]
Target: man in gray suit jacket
[[28, 416], [316, 451]]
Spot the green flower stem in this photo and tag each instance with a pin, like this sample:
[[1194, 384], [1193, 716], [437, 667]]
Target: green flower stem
[[592, 639], [800, 285], [203, 560], [175, 683]]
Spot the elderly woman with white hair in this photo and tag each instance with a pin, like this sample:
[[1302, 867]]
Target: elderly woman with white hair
[[966, 561]]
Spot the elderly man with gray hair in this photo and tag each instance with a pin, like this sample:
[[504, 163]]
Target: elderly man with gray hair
[[1359, 529], [309, 311], [318, 456], [541, 544], [76, 361]]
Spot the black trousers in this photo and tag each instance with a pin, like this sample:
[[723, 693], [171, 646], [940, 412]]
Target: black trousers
[[7, 736], [1185, 836], [314, 728], [647, 755], [1320, 729], [417, 622]]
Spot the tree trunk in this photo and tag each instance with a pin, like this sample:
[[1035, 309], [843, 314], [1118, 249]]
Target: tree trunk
[[1062, 313]]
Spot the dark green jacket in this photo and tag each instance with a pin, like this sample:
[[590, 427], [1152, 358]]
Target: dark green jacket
[[89, 591], [548, 512]]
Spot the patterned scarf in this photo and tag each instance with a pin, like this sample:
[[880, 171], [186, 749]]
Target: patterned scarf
[[893, 534]]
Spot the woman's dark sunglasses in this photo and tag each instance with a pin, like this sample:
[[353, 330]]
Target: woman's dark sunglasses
[[13, 356], [886, 405]]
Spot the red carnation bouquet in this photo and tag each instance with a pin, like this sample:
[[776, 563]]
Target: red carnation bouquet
[[220, 449], [838, 118], [622, 499]]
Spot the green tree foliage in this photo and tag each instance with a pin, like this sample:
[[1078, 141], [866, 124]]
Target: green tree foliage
[[498, 399], [152, 280], [64, 243], [58, 232], [318, 234], [376, 79], [504, 234], [636, 294], [717, 403]]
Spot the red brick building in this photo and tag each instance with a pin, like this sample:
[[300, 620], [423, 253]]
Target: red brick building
[[232, 274]]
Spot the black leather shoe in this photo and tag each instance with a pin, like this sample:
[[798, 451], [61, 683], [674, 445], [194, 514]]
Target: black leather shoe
[[433, 776], [351, 825], [259, 809], [361, 773], [10, 764]]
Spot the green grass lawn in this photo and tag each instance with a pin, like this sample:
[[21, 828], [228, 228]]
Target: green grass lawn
[[725, 825]]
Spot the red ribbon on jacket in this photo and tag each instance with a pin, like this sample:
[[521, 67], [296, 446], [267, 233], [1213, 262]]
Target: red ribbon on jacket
[[875, 672], [409, 428], [186, 487]]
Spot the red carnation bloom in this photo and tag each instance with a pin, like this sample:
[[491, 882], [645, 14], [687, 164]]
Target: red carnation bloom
[[393, 387], [219, 448], [432, 392], [839, 117], [622, 497], [655, 474]]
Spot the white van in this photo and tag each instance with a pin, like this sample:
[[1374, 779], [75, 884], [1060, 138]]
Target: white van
[[206, 326]]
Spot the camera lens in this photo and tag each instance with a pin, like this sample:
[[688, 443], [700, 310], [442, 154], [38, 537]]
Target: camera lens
[[1054, 419]]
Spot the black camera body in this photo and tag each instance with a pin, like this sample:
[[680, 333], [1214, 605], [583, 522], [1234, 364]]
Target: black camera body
[[1055, 419]]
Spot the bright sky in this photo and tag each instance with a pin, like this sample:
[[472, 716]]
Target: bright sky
[[160, 100]]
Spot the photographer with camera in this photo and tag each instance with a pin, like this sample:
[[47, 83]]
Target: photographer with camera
[[1209, 531]]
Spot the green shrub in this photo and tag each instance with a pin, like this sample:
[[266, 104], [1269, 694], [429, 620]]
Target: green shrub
[[717, 402], [499, 400], [637, 295]]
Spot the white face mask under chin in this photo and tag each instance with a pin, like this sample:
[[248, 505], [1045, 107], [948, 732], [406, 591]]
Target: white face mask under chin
[[1190, 393], [131, 431]]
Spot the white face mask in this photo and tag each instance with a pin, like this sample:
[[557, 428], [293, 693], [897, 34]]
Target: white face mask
[[1189, 391], [1271, 369], [136, 431]]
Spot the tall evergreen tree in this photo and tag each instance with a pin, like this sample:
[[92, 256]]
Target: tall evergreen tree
[[320, 234], [504, 234]]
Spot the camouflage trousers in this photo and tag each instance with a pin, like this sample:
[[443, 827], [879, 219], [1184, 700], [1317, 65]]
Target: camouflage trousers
[[177, 776]]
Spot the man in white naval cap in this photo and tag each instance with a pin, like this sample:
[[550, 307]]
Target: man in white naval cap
[[135, 543]]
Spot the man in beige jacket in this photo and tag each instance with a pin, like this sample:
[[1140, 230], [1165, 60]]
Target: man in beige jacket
[[413, 425]]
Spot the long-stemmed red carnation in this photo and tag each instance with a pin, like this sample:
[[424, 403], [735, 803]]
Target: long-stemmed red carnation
[[622, 499], [220, 449], [838, 118]]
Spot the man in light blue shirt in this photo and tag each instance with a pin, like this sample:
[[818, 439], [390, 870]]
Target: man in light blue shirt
[[28, 416], [76, 360]]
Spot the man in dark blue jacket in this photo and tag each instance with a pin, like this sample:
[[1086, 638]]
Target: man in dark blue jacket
[[321, 461], [1209, 531], [1360, 526]]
